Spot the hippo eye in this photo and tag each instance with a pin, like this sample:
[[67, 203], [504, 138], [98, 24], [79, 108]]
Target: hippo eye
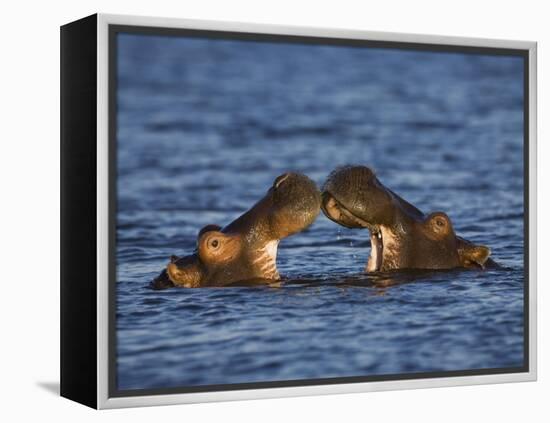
[[440, 222], [215, 243]]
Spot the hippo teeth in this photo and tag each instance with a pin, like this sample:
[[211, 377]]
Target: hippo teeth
[[376, 252]]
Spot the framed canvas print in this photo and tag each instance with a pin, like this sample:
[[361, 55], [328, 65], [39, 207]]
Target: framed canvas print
[[253, 211]]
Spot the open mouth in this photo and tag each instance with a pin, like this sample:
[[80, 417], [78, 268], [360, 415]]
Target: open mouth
[[336, 212], [376, 251]]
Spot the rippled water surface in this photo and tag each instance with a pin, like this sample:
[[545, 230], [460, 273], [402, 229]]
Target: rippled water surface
[[204, 126]]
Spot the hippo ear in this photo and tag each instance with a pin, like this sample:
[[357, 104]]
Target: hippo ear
[[474, 255], [217, 247]]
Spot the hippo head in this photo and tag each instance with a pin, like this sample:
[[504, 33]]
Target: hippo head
[[246, 249], [402, 237]]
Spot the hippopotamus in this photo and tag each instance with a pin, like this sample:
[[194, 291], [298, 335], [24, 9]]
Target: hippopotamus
[[402, 237], [246, 249]]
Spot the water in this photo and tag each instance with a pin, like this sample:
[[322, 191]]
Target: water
[[203, 129]]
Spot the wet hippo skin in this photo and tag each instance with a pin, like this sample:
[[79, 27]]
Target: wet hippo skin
[[246, 249], [402, 237]]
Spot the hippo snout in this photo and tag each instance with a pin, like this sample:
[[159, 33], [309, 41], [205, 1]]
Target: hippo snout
[[348, 180]]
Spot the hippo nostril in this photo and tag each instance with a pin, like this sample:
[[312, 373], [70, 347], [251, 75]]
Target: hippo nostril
[[280, 179]]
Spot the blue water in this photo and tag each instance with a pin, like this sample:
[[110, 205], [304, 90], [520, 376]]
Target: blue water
[[204, 126]]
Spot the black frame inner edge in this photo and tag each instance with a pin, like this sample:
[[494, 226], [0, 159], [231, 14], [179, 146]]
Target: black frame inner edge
[[114, 30]]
